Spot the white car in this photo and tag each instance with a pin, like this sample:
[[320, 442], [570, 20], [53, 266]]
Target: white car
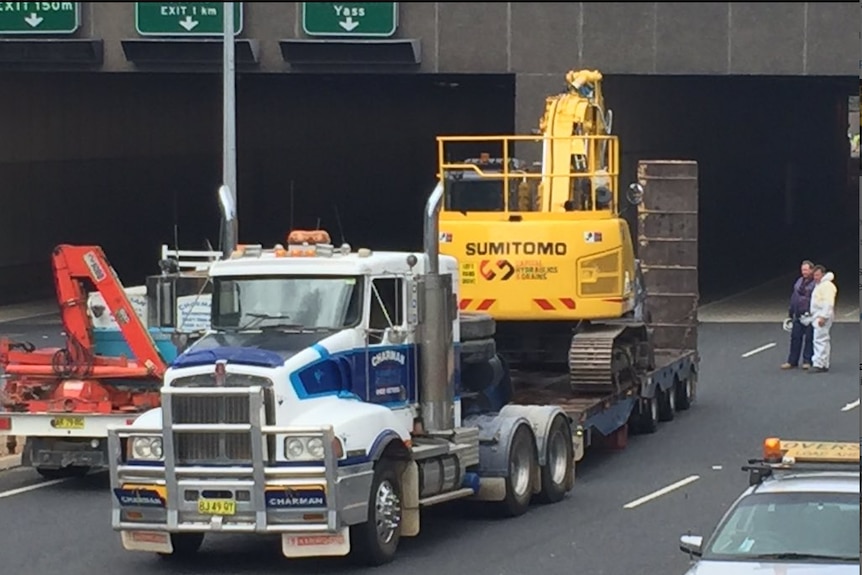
[[800, 515]]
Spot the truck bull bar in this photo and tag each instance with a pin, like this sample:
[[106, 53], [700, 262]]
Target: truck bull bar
[[248, 484]]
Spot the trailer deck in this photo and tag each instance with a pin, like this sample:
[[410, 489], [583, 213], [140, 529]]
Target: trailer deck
[[602, 411]]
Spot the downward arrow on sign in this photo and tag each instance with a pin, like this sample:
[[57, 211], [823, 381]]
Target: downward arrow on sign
[[188, 23], [33, 20], [348, 24]]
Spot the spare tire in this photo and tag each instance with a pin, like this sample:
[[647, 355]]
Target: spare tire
[[476, 326], [477, 350]]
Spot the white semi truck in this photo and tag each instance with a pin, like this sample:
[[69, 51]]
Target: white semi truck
[[339, 391], [324, 405]]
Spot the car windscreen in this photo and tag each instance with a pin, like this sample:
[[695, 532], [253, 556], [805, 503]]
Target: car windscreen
[[791, 526]]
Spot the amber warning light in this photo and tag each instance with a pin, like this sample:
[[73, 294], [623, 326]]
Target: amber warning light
[[776, 450]]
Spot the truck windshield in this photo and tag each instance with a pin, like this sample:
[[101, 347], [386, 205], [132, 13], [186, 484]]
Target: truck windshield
[[791, 526], [268, 302]]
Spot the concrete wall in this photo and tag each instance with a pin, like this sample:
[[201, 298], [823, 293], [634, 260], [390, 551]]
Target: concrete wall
[[780, 38]]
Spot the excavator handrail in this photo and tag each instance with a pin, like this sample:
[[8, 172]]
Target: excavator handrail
[[499, 174], [600, 160]]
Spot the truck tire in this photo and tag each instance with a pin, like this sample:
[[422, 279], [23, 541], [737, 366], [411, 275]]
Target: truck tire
[[519, 480], [476, 326], [477, 351], [685, 393], [559, 461], [374, 542], [647, 420], [185, 545], [667, 403], [67, 472]]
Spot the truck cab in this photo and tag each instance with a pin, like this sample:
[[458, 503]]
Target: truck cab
[[323, 404]]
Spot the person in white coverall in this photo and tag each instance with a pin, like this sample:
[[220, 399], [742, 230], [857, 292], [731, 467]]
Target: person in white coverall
[[822, 313]]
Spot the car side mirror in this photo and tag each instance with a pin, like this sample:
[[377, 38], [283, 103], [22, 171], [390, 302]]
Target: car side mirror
[[691, 544]]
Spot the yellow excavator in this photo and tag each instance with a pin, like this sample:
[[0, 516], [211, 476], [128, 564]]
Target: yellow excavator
[[543, 247]]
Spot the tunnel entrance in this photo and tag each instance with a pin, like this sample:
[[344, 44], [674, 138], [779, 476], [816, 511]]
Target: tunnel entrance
[[132, 161], [776, 182]]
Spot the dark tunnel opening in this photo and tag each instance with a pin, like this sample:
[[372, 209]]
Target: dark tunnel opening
[[119, 159], [775, 179]]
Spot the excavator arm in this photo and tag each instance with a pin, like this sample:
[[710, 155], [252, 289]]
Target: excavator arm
[[578, 111], [72, 264]]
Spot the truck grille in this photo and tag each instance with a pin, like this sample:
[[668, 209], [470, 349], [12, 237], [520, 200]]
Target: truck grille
[[230, 380], [226, 448]]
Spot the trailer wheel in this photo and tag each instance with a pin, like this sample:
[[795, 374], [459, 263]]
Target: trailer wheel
[[559, 462], [185, 545], [476, 326], [667, 404], [67, 472], [374, 542], [477, 351], [519, 481], [648, 417], [684, 393]]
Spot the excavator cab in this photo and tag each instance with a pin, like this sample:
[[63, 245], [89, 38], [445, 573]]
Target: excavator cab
[[480, 186]]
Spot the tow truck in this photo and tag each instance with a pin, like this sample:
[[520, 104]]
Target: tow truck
[[799, 513], [62, 400], [328, 403]]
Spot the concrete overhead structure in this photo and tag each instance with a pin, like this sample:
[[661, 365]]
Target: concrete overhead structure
[[112, 115]]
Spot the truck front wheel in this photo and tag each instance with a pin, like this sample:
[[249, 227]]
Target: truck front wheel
[[374, 542]]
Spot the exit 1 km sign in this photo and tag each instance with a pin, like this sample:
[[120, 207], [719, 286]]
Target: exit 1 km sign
[[368, 19], [39, 17], [184, 18]]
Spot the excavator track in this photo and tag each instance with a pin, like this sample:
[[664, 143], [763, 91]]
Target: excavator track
[[604, 358]]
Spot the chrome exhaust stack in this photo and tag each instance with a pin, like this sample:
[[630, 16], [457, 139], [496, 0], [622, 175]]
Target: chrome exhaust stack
[[437, 311]]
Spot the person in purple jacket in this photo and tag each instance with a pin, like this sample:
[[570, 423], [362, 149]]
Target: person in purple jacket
[[801, 336]]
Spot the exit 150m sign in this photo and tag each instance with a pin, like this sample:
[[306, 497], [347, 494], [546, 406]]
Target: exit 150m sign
[[39, 17]]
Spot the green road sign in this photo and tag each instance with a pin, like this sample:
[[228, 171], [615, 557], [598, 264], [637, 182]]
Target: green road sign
[[39, 17], [350, 18], [184, 18]]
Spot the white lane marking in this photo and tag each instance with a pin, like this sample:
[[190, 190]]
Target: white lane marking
[[759, 349], [662, 491], [851, 405], [25, 489]]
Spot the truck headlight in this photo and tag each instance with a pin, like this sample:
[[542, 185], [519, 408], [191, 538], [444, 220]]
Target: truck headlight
[[146, 448], [304, 449]]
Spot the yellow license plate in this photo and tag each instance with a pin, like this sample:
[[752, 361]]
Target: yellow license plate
[[216, 506], [67, 422]]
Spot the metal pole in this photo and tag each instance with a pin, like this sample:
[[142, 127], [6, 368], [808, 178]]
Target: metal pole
[[229, 132]]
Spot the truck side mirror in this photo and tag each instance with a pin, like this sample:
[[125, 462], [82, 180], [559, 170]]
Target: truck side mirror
[[395, 335]]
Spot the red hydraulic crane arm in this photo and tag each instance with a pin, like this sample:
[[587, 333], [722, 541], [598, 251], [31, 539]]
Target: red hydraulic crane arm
[[75, 263]]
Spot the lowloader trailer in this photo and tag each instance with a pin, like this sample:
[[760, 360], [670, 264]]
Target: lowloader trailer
[[329, 403]]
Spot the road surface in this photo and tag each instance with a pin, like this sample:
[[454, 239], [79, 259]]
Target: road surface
[[610, 525]]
